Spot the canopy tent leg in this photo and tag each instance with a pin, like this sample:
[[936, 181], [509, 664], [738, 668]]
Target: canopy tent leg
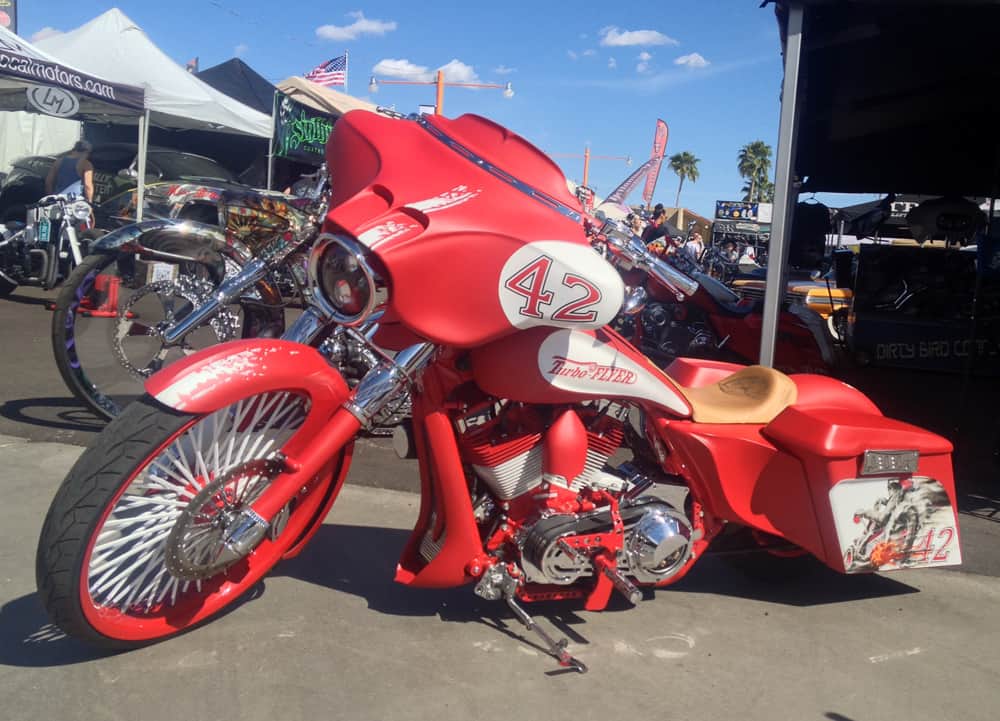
[[270, 142], [784, 193], [140, 190]]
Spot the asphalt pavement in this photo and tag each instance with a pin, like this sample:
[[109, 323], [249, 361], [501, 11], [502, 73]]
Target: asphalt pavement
[[329, 635]]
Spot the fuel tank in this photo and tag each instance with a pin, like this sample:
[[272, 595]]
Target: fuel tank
[[547, 365]]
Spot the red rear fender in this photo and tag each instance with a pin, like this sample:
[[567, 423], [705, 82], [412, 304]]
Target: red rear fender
[[223, 374]]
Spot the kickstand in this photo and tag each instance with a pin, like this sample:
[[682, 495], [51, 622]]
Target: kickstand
[[556, 648]]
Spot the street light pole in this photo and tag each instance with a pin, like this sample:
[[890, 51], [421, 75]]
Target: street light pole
[[439, 99], [440, 83], [587, 157]]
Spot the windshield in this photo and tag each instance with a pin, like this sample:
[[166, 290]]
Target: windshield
[[181, 165]]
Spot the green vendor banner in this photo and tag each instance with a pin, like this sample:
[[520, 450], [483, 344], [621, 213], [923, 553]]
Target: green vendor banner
[[300, 132]]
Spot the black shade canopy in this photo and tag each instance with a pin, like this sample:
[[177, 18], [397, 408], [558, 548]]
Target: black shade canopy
[[899, 96], [241, 82], [34, 81]]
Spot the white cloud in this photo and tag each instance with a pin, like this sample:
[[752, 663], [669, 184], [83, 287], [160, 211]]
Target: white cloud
[[590, 52], [391, 68], [643, 64], [241, 50], [45, 32], [612, 63], [611, 36], [456, 71], [572, 55], [360, 26], [504, 70], [694, 60]]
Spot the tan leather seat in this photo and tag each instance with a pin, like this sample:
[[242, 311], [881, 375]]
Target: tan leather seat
[[754, 394]]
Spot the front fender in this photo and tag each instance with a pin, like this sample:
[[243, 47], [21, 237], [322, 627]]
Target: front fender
[[223, 374], [173, 241], [186, 239]]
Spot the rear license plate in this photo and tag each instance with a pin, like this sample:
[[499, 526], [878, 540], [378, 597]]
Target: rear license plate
[[884, 524]]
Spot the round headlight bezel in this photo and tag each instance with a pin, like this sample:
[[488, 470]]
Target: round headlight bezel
[[80, 210], [367, 264]]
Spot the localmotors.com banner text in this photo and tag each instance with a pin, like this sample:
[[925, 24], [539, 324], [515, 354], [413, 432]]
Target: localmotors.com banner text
[[34, 69]]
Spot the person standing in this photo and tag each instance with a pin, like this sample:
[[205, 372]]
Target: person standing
[[695, 246], [73, 174]]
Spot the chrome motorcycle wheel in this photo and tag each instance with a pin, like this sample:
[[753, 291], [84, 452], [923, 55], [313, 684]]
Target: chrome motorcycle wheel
[[108, 323], [147, 536]]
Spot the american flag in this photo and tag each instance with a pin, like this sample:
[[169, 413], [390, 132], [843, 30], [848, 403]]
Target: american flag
[[332, 72]]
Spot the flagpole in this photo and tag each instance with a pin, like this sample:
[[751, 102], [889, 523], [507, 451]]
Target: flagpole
[[346, 66]]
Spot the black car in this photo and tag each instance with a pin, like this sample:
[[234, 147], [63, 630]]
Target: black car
[[114, 176]]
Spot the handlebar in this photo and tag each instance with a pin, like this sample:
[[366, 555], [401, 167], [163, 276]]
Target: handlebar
[[46, 201], [623, 243]]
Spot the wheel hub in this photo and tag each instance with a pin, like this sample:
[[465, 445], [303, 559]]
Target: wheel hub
[[218, 527]]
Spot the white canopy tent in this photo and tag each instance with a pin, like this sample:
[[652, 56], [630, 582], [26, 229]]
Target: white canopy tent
[[113, 46], [23, 133]]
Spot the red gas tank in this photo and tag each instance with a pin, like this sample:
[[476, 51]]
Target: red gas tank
[[476, 228], [546, 365]]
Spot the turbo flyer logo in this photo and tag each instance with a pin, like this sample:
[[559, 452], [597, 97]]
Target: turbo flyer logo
[[569, 368]]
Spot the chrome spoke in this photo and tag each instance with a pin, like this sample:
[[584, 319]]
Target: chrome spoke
[[127, 568]]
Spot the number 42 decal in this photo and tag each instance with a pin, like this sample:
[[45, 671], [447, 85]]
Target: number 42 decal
[[532, 283]]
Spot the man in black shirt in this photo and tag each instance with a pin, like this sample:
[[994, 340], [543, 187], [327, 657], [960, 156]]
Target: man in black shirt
[[656, 228]]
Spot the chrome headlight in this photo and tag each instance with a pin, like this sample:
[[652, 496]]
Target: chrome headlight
[[346, 279], [80, 210]]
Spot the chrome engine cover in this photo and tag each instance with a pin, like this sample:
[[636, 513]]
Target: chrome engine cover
[[657, 545]]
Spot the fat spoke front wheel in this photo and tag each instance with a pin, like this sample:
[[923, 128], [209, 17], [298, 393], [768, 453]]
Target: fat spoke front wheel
[[152, 532]]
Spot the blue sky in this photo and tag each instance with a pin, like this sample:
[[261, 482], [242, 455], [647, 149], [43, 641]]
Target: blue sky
[[585, 73]]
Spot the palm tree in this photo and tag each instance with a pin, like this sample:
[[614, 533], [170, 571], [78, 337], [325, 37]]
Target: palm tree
[[764, 190], [754, 164], [686, 166]]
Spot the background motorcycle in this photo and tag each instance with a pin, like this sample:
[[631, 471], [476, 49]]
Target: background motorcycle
[[708, 320], [48, 245], [521, 396], [115, 321]]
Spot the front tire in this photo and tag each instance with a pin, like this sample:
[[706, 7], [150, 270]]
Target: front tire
[[156, 487]]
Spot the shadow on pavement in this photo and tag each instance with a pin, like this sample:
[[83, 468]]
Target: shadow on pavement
[[28, 639], [28, 300], [60, 413], [820, 586], [361, 560]]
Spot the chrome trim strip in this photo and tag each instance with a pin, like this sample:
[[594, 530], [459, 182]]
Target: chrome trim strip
[[501, 174]]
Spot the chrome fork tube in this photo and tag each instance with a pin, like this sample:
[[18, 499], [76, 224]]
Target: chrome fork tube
[[383, 383], [226, 293], [306, 327]]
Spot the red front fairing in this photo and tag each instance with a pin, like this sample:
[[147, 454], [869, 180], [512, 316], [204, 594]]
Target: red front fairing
[[442, 225]]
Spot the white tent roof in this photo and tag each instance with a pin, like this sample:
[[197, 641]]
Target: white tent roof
[[113, 46], [319, 97]]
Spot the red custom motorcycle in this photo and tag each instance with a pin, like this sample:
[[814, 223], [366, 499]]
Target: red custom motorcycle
[[521, 394]]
